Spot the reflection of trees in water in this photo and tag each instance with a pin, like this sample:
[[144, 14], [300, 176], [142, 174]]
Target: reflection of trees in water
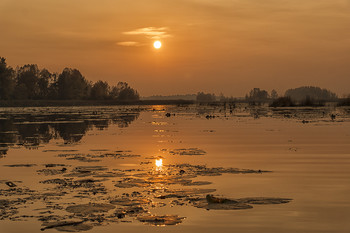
[[124, 121], [101, 124], [32, 130], [7, 135], [33, 134], [72, 132]]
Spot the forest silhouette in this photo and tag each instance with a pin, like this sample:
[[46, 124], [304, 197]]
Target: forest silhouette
[[28, 82]]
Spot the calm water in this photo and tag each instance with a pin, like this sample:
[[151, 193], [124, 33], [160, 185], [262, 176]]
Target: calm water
[[106, 168]]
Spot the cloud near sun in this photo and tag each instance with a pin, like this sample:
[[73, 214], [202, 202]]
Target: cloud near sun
[[129, 43], [153, 33], [150, 32]]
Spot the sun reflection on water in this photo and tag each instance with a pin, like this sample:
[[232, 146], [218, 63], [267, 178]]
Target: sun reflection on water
[[159, 163]]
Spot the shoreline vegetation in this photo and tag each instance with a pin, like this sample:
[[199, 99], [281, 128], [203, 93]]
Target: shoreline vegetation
[[29, 86], [55, 103], [180, 102]]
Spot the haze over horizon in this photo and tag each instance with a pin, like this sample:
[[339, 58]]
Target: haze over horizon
[[212, 46]]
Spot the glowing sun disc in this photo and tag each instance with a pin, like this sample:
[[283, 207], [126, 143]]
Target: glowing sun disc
[[157, 44]]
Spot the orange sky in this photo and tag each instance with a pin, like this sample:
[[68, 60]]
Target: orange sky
[[227, 46]]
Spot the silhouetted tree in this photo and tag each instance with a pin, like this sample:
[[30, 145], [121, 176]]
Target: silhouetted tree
[[205, 98], [7, 82], [313, 93], [257, 95], [53, 87], [46, 79], [100, 90], [124, 92], [27, 78], [71, 84], [274, 94]]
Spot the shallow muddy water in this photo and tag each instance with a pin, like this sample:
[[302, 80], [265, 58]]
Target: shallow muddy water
[[174, 169]]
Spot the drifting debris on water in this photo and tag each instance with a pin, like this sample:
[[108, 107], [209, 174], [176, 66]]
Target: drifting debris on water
[[180, 174], [180, 193], [147, 180], [86, 186], [83, 169], [79, 157], [98, 150], [68, 226], [15, 191], [130, 201], [146, 162], [196, 183], [202, 170], [264, 200], [209, 131], [212, 199], [4, 204], [161, 220], [110, 174], [176, 203], [20, 165], [55, 165], [117, 155], [132, 182], [123, 156], [156, 157], [59, 150], [97, 157], [151, 184], [189, 151], [51, 172], [83, 159], [333, 117], [7, 210], [218, 203], [86, 209], [130, 211], [10, 184]]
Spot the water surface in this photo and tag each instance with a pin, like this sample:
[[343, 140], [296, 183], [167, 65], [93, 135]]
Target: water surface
[[111, 168]]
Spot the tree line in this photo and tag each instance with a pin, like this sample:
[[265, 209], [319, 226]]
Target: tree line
[[306, 95], [297, 94], [28, 82], [301, 96]]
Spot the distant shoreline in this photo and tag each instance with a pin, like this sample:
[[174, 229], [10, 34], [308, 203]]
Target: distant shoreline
[[58, 103], [72, 103]]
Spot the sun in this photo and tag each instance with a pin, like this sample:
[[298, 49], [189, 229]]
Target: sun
[[157, 44]]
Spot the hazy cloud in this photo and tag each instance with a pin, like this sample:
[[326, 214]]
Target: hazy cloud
[[129, 43], [150, 32]]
